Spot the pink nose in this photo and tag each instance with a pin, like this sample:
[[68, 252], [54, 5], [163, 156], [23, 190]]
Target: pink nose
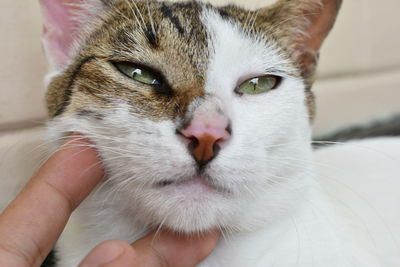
[[205, 137]]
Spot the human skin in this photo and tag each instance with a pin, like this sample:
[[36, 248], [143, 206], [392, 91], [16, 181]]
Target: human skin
[[32, 223]]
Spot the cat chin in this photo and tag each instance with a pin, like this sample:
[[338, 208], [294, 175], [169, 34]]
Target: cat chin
[[189, 222], [197, 208], [188, 208]]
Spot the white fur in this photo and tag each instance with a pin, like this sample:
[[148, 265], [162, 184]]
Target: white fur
[[360, 178], [276, 212], [362, 181], [265, 193]]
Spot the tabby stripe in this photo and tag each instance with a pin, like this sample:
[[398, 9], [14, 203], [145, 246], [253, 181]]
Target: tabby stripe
[[68, 90], [168, 13], [150, 35]]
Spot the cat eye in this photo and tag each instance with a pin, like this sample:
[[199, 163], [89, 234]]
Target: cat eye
[[138, 73], [258, 85]]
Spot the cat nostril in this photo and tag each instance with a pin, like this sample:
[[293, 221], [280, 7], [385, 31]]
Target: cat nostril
[[193, 143], [216, 147], [228, 129], [204, 148], [204, 143]]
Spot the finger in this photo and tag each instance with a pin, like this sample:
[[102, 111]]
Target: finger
[[154, 250], [112, 253], [31, 224], [172, 249]]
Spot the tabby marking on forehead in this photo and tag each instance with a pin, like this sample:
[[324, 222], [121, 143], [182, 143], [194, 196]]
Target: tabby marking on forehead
[[165, 36], [186, 42]]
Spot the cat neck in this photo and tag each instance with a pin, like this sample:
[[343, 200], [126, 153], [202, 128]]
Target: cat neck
[[303, 236]]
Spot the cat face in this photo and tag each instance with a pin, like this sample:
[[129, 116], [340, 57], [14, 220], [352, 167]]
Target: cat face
[[196, 111]]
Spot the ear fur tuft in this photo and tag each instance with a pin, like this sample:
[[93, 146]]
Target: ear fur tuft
[[64, 21], [302, 25]]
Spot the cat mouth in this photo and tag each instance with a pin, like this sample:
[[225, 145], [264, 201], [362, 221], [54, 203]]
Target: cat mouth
[[204, 183]]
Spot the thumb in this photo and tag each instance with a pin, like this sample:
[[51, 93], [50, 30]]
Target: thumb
[[154, 250], [174, 249], [114, 253]]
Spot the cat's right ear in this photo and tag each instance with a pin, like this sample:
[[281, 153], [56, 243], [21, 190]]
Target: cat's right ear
[[302, 26], [63, 23]]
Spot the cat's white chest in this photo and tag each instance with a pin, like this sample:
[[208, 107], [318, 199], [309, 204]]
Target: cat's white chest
[[305, 238], [361, 180]]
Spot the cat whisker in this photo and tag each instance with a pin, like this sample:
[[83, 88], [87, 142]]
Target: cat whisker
[[138, 11], [120, 13], [368, 203], [46, 155], [122, 184], [362, 147], [254, 19], [80, 137], [158, 230], [279, 24], [246, 22], [328, 142], [318, 211], [298, 239], [141, 24], [151, 20], [354, 212]]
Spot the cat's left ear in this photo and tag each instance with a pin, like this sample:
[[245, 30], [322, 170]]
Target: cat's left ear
[[64, 21], [302, 26]]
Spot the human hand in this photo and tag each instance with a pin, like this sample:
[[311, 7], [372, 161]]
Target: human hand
[[32, 223], [154, 250]]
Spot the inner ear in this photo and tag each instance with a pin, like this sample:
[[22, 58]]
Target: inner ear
[[64, 21], [321, 21]]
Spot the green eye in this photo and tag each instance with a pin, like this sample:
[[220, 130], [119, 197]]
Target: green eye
[[137, 73], [258, 85]]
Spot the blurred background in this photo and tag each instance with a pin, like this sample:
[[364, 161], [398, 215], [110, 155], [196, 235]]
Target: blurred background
[[358, 80]]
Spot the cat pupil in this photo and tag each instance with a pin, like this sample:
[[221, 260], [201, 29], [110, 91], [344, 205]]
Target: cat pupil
[[254, 82], [136, 72]]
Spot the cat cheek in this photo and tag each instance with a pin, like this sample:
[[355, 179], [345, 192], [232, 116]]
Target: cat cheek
[[88, 114]]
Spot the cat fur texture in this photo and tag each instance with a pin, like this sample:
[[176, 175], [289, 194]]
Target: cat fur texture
[[260, 184]]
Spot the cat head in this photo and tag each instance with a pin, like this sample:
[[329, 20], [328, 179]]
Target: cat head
[[200, 113]]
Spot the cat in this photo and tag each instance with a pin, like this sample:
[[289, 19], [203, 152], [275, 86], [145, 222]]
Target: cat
[[201, 115]]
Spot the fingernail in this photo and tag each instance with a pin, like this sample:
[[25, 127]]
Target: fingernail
[[103, 254]]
